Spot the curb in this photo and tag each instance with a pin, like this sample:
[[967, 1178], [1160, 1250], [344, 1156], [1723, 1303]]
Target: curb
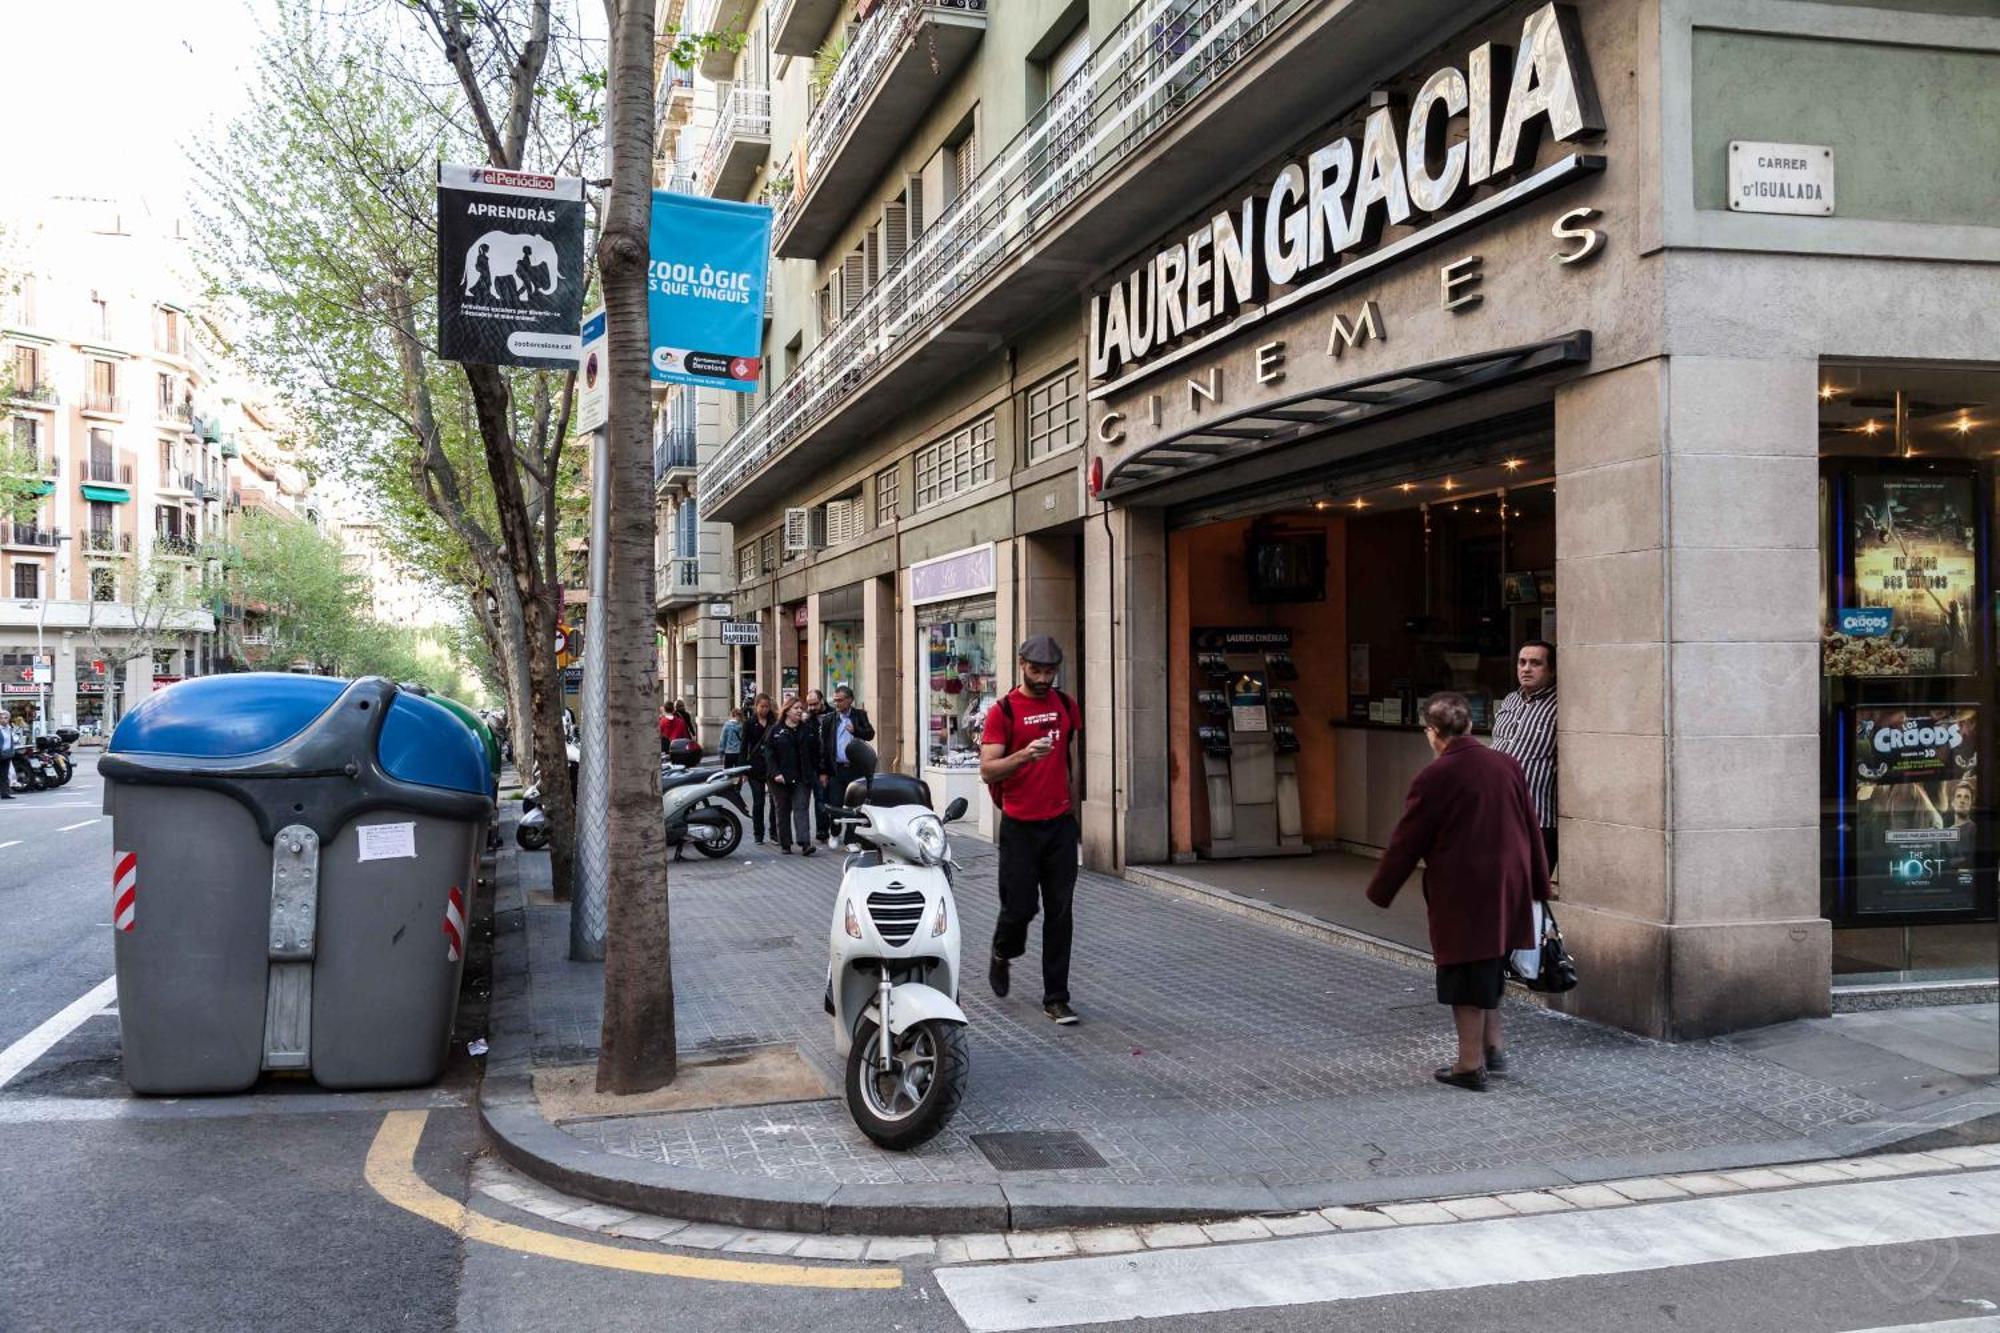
[[532, 1145]]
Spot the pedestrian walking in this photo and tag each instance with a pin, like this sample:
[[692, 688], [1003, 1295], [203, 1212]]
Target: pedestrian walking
[[815, 705], [1525, 727], [1469, 819], [757, 729], [839, 727], [731, 743], [792, 751], [7, 751], [673, 725], [1026, 755]]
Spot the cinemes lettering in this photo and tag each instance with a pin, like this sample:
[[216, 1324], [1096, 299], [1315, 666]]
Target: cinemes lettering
[[512, 212], [712, 284], [1336, 201], [1890, 739]]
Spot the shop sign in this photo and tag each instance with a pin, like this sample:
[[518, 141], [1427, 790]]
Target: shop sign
[[720, 610], [1781, 178], [741, 633], [691, 633], [15, 689], [1269, 639], [962, 574], [799, 616], [1323, 215]]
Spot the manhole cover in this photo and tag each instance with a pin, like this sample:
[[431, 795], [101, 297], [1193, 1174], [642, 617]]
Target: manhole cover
[[1038, 1150]]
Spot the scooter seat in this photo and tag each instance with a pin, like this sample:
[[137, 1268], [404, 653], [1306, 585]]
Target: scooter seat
[[689, 778], [888, 789]]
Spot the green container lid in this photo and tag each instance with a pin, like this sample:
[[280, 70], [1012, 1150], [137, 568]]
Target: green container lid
[[479, 729]]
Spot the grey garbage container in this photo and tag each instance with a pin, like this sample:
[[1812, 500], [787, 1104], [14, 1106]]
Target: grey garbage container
[[294, 862]]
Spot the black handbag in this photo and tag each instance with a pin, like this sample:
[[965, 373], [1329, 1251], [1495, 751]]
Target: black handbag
[[1558, 970]]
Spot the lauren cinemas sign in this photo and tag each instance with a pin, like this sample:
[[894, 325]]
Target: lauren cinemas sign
[[1326, 213]]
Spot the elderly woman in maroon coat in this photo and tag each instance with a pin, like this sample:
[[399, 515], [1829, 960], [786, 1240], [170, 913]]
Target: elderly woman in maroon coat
[[1468, 817]]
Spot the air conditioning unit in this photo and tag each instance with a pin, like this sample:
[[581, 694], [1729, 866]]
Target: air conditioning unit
[[798, 530]]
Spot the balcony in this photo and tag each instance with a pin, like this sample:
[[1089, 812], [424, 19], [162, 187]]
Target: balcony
[[103, 541], [674, 455], [179, 483], [209, 428], [96, 473], [27, 536], [1172, 102], [177, 414], [725, 17], [673, 104], [32, 393], [175, 546], [231, 447], [677, 581], [97, 404], [906, 53], [665, 177], [802, 25], [741, 142]]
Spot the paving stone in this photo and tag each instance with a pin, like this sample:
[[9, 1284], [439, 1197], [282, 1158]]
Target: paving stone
[[647, 1228], [702, 1236], [1476, 1207], [1040, 1244], [765, 1242], [951, 1250], [594, 1217], [1411, 1214], [1356, 1219], [1810, 1173], [543, 1204], [831, 1247], [1912, 1163], [1643, 1189], [1529, 1202], [1298, 1224], [1237, 1228], [1979, 1154], [1704, 1182], [1172, 1235], [1862, 1168], [891, 1249], [985, 1247], [1757, 1178], [1590, 1196]]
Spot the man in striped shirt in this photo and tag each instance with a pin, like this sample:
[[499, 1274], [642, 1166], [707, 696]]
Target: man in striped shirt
[[1525, 727]]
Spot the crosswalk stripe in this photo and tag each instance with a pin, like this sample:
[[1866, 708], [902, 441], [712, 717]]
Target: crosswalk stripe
[[1164, 1284]]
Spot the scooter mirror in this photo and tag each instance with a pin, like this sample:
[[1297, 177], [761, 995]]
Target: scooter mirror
[[956, 810], [861, 759]]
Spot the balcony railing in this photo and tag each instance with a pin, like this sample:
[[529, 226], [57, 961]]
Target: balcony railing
[[673, 100], [28, 534], [174, 544], [102, 541], [883, 39], [41, 393], [180, 414], [677, 576], [108, 474], [104, 404], [674, 450], [678, 182], [1156, 62], [742, 138]]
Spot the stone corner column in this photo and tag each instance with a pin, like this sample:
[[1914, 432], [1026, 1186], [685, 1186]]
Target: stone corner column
[[1125, 820]]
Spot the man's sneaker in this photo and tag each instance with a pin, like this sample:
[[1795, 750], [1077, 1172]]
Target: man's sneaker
[[1062, 1014], [997, 976]]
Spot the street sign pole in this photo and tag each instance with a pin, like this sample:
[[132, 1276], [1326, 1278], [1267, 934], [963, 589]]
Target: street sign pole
[[590, 904]]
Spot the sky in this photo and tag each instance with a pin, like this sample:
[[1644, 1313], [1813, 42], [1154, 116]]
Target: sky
[[110, 91]]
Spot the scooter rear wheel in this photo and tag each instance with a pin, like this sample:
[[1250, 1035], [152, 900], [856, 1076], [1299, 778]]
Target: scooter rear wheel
[[716, 841], [531, 837], [908, 1105]]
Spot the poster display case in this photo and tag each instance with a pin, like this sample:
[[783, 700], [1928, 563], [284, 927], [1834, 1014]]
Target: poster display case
[[1915, 800]]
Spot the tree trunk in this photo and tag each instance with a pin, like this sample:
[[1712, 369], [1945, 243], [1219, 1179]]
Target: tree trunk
[[636, 1049], [545, 707]]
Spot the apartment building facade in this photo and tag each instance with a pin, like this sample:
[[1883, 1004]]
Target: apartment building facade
[[1293, 360]]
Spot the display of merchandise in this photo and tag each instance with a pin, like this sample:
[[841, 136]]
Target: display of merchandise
[[1213, 702], [1284, 739], [1280, 666], [958, 660], [1213, 665], [1283, 704], [1215, 740]]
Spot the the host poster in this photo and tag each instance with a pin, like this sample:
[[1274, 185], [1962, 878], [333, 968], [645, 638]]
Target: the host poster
[[1916, 803], [1916, 557]]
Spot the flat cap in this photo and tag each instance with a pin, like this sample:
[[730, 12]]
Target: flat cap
[[1041, 649]]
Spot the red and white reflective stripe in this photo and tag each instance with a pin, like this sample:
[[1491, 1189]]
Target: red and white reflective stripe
[[454, 925], [125, 890]]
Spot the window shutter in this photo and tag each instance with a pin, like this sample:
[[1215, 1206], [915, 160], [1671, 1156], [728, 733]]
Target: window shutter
[[1069, 58], [850, 283], [817, 519], [796, 531], [932, 189], [966, 160], [872, 250], [916, 219], [895, 233]]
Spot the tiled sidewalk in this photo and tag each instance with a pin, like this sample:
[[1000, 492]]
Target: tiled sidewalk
[[1214, 1050]]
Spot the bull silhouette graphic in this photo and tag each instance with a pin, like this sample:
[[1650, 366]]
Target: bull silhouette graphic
[[506, 268]]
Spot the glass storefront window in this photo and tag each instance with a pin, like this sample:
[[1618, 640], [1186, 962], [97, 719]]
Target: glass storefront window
[[960, 683], [1907, 498], [840, 643]]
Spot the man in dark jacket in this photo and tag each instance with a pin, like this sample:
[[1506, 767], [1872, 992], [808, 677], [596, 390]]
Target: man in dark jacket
[[839, 727], [1469, 819]]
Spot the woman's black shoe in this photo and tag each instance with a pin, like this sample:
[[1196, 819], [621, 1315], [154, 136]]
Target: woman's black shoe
[[1496, 1060], [1472, 1080]]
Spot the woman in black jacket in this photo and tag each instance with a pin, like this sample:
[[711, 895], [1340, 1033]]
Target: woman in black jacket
[[756, 728], [793, 760]]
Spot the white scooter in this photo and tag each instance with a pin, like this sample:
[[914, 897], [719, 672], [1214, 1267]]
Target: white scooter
[[714, 830], [892, 983]]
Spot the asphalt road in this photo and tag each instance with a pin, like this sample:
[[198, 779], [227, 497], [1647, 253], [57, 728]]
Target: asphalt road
[[262, 1211]]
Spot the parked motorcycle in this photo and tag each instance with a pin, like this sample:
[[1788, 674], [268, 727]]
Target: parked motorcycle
[[714, 831], [531, 834], [28, 772], [892, 978], [55, 754]]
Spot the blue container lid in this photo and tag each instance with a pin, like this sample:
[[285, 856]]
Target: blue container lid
[[242, 715]]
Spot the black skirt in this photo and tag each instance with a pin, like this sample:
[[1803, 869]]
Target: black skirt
[[1477, 984]]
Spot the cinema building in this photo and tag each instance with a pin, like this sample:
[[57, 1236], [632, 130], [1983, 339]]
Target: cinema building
[[1397, 334]]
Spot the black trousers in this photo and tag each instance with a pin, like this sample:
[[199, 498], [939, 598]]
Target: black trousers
[[756, 786], [1549, 846], [1038, 869]]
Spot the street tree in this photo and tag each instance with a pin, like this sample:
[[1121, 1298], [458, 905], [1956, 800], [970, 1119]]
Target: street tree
[[291, 573], [139, 604]]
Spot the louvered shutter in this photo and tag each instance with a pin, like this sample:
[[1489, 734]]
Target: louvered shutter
[[851, 285], [934, 192], [797, 531], [965, 161], [895, 233], [872, 249]]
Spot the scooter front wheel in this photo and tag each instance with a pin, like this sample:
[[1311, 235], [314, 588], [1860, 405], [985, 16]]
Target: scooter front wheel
[[531, 837], [909, 1103]]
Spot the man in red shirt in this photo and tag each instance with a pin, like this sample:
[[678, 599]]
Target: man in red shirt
[[1025, 755]]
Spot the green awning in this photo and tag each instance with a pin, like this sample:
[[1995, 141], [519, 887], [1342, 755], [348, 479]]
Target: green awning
[[39, 487], [117, 495]]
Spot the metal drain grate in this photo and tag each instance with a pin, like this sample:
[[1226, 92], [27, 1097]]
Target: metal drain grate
[[1038, 1150]]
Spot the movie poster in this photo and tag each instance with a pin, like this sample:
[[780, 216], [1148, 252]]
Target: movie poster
[[1915, 580], [1916, 803]]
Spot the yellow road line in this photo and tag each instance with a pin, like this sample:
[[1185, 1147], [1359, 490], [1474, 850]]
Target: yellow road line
[[392, 1173]]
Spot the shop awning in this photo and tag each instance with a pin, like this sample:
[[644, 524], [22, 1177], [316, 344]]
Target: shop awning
[[112, 494], [39, 487], [1317, 411]]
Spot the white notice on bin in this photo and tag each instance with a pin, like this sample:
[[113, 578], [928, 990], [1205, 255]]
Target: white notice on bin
[[386, 842]]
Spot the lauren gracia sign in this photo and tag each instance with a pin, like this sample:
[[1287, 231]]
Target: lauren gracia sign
[[710, 259], [510, 267], [1320, 214]]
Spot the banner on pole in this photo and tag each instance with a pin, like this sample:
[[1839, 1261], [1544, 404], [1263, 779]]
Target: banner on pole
[[510, 267], [710, 262]]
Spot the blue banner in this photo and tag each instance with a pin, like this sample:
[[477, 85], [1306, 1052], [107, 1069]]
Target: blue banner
[[705, 290]]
